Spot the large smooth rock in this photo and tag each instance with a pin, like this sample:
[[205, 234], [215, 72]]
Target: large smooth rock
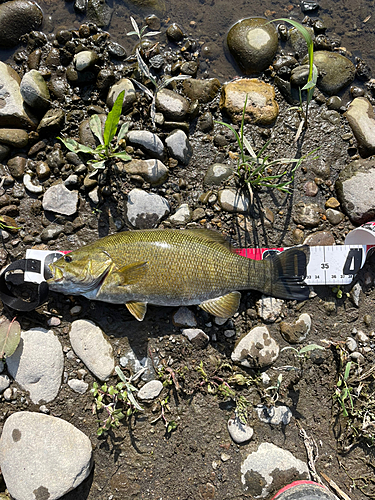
[[117, 88], [355, 189], [43, 457], [17, 18], [37, 364], [253, 43], [150, 143], [336, 71], [91, 346], [14, 137], [173, 106], [12, 113], [269, 468], [361, 118], [179, 146], [144, 210], [152, 171], [34, 90], [256, 349], [261, 106], [201, 90]]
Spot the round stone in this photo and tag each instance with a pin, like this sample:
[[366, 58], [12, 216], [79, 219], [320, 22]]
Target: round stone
[[150, 391], [253, 44], [17, 18]]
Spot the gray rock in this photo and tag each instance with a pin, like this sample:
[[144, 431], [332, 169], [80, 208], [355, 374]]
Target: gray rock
[[307, 214], [334, 216], [336, 71], [182, 215], [179, 146], [233, 201], [43, 457], [269, 309], [261, 470], [37, 364], [297, 41], [240, 433], [90, 345], [17, 18], [256, 349], [184, 317], [147, 141], [296, 332], [201, 90], [361, 118], [85, 59], [79, 386], [4, 382], [51, 232], [117, 88], [60, 200], [145, 210], [196, 336], [12, 112], [152, 171], [253, 43], [217, 173], [173, 106], [150, 391], [34, 90], [274, 415], [355, 190], [351, 344], [99, 12]]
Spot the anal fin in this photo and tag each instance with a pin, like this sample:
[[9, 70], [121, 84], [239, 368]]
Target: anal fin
[[137, 309], [224, 306]]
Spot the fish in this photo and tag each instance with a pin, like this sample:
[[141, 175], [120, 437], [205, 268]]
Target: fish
[[176, 267]]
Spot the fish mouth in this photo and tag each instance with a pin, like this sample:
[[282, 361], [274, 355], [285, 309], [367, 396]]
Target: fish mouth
[[57, 274], [84, 285]]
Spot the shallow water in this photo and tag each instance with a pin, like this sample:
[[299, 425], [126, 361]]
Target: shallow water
[[208, 21]]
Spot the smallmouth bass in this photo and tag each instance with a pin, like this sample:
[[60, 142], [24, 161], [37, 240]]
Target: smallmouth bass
[[172, 267]]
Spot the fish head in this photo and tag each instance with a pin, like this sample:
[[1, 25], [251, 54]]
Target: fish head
[[79, 272]]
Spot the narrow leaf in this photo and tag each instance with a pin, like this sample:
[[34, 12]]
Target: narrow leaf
[[112, 120], [135, 26], [10, 335], [70, 144], [248, 147], [123, 156], [153, 33], [96, 128], [123, 130], [85, 149], [311, 347], [143, 88]]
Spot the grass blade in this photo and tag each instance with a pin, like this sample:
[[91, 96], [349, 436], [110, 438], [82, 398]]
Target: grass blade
[[112, 120], [96, 128]]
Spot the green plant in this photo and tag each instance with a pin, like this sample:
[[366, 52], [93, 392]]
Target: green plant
[[117, 401], [140, 33], [105, 150], [170, 425], [312, 76], [10, 336], [301, 353], [343, 391], [256, 171], [9, 223], [143, 68]]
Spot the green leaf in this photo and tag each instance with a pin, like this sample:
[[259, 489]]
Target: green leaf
[[70, 144], [144, 68], [135, 26], [96, 128], [122, 156], [10, 335], [98, 164], [311, 347], [112, 120], [123, 131], [84, 149]]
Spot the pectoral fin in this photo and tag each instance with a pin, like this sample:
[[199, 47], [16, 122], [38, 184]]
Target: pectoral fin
[[224, 306], [137, 309], [130, 274]]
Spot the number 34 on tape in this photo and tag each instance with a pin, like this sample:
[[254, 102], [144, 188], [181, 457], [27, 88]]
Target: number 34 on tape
[[328, 265]]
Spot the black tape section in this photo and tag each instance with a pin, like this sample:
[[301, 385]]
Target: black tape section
[[18, 279]]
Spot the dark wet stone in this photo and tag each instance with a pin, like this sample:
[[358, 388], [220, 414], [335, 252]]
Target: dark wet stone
[[206, 122], [33, 59], [189, 68], [105, 79], [253, 44], [202, 90], [17, 166], [52, 122], [309, 5], [17, 18], [53, 59], [99, 12], [175, 33], [116, 50], [80, 5]]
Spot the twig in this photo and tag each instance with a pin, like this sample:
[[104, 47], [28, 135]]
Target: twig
[[312, 452], [336, 488]]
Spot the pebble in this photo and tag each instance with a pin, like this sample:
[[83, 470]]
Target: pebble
[[351, 344], [217, 173], [129, 96], [233, 201], [202, 91], [16, 138], [173, 106], [257, 349], [274, 415], [91, 346], [261, 107], [307, 214], [153, 171], [269, 309], [37, 364], [334, 216], [149, 142], [145, 210], [179, 146], [60, 200], [296, 332], [336, 71], [78, 386], [150, 390], [355, 187], [4, 382], [253, 43], [320, 238], [16, 166], [30, 186], [240, 433], [182, 215], [85, 59], [51, 123], [263, 467], [355, 294], [17, 18], [196, 336], [184, 317], [361, 118], [63, 455], [34, 90]]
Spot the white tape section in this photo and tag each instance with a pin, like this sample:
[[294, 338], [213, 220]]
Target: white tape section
[[38, 271]]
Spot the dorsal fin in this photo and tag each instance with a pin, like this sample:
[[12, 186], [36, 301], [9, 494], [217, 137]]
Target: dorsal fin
[[210, 235]]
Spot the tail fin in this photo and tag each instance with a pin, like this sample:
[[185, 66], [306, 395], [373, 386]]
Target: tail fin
[[287, 274]]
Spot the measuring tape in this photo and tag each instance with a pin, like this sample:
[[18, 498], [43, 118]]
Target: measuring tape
[[328, 265]]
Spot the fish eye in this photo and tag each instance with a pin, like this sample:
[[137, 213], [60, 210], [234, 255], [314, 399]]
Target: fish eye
[[67, 258]]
